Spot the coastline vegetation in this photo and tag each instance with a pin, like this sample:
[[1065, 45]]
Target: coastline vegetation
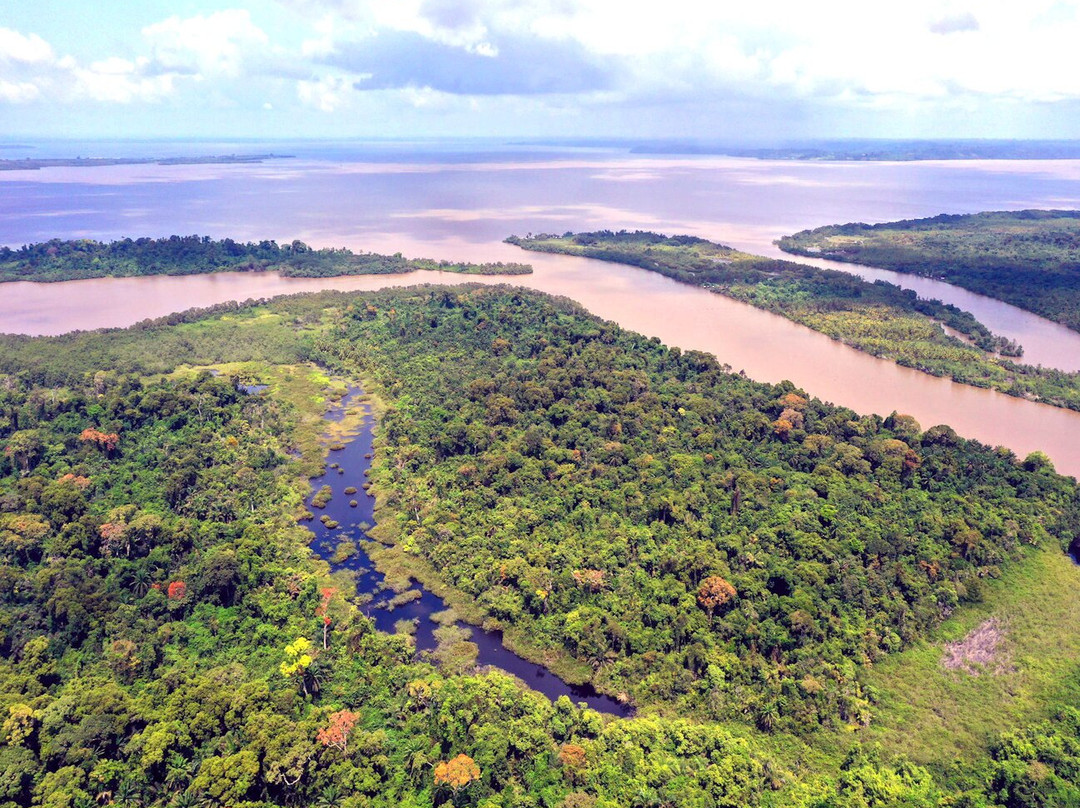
[[1030, 258], [59, 260], [872, 149], [747, 563], [879, 318], [38, 163]]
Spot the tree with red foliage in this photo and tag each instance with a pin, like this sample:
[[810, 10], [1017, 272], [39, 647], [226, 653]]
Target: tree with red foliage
[[323, 612], [103, 440], [80, 482], [113, 538], [177, 590], [337, 733]]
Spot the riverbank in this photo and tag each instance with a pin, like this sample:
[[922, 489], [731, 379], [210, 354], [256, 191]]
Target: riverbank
[[877, 318], [57, 260], [1028, 258], [399, 592]]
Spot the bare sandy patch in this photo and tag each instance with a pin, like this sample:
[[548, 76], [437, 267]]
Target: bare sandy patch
[[981, 651]]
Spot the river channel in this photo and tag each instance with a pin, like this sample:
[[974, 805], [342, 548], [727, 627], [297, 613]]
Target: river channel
[[461, 206], [352, 462]]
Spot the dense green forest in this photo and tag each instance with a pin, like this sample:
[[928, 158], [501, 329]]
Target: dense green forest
[[879, 318], [59, 260], [732, 556], [1030, 258]]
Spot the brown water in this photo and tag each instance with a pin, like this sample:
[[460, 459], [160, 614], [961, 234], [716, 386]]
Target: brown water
[[461, 210], [1045, 342], [766, 346]]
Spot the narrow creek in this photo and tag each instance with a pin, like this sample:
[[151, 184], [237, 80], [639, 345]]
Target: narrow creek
[[352, 461]]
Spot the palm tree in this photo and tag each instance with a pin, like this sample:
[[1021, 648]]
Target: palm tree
[[178, 770], [140, 581], [127, 795], [183, 800], [329, 797]]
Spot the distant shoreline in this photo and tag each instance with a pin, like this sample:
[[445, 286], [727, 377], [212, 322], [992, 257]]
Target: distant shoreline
[[36, 164], [906, 151]]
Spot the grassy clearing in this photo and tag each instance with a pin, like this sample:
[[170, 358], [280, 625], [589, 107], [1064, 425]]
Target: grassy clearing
[[934, 715]]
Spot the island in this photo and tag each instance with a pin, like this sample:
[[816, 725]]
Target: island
[[66, 260], [879, 318], [1029, 258], [874, 149], [38, 163], [806, 606]]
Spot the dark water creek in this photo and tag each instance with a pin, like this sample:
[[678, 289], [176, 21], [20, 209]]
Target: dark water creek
[[354, 460]]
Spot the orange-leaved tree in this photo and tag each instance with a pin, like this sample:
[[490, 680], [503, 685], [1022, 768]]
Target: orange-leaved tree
[[457, 773], [177, 590], [713, 593], [105, 440], [573, 759], [337, 733]]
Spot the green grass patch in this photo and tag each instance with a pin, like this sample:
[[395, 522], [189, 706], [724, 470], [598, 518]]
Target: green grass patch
[[934, 715]]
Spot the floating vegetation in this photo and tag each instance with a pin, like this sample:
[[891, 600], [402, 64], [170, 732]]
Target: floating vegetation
[[337, 446], [447, 617], [353, 503], [329, 523], [455, 653], [405, 597], [343, 552], [403, 626], [324, 495], [306, 516], [351, 489]]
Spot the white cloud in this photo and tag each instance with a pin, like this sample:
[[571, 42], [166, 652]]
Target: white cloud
[[686, 60], [847, 50], [30, 70], [29, 49], [427, 98], [323, 44], [326, 94], [214, 45], [18, 91], [121, 81], [218, 45]]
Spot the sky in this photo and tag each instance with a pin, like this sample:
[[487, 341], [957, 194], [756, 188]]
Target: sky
[[768, 71]]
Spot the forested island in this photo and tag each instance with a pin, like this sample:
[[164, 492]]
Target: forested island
[[876, 149], [879, 318], [38, 163], [768, 578], [1030, 258], [67, 260]]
